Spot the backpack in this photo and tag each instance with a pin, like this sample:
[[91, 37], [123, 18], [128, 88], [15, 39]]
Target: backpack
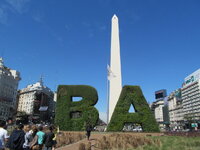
[[16, 140]]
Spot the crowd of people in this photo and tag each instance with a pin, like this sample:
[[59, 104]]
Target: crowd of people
[[27, 138]]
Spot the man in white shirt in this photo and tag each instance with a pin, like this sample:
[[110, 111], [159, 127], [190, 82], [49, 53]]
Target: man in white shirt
[[3, 135]]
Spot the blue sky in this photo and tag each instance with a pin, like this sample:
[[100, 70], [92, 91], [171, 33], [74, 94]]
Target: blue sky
[[68, 42]]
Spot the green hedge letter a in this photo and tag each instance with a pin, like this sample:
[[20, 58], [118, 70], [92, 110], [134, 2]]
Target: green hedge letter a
[[132, 95], [73, 116]]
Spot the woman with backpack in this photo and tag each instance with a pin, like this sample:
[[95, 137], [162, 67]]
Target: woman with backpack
[[17, 139]]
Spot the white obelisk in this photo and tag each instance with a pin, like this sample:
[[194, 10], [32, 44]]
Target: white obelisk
[[114, 71]]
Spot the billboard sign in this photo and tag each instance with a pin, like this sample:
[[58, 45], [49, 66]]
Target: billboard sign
[[160, 94], [192, 78]]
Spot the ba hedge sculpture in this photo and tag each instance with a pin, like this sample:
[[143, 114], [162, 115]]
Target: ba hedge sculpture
[[132, 95], [84, 108], [75, 115]]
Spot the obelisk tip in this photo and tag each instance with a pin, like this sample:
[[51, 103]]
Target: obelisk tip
[[114, 16]]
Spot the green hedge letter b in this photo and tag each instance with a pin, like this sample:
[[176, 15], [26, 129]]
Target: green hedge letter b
[[73, 115], [132, 95]]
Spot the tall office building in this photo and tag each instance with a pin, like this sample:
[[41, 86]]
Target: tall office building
[[9, 80], [114, 71], [191, 96]]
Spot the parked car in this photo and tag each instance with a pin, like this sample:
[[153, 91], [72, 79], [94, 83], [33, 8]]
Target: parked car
[[137, 129]]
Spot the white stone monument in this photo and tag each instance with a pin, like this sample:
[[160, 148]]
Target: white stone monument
[[114, 71]]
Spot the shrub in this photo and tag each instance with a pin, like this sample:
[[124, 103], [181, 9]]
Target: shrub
[[132, 95], [66, 107]]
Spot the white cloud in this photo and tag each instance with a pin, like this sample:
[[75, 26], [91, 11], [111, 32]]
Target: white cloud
[[103, 116], [3, 16], [18, 5], [40, 18], [12, 6]]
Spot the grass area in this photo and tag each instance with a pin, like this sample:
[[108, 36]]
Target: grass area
[[130, 141], [172, 143]]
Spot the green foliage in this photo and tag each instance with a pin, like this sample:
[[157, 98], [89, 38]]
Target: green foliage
[[143, 115], [172, 143], [66, 107]]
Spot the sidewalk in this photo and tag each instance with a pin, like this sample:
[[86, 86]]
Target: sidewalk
[[75, 146]]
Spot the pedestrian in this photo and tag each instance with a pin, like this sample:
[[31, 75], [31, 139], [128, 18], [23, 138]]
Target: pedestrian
[[48, 139], [17, 138], [34, 130], [34, 143], [88, 130], [10, 125], [28, 137], [40, 135], [3, 135]]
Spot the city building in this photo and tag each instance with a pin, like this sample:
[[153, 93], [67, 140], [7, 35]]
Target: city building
[[9, 80], [36, 101], [191, 97], [158, 107], [175, 108]]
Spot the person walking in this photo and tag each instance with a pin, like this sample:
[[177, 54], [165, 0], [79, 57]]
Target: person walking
[[28, 137], [88, 130], [17, 138], [3, 135], [40, 135], [48, 139]]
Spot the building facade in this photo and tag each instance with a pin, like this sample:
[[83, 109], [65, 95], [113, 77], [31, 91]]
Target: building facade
[[175, 108], [191, 97], [36, 101], [9, 80], [158, 110], [158, 107]]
